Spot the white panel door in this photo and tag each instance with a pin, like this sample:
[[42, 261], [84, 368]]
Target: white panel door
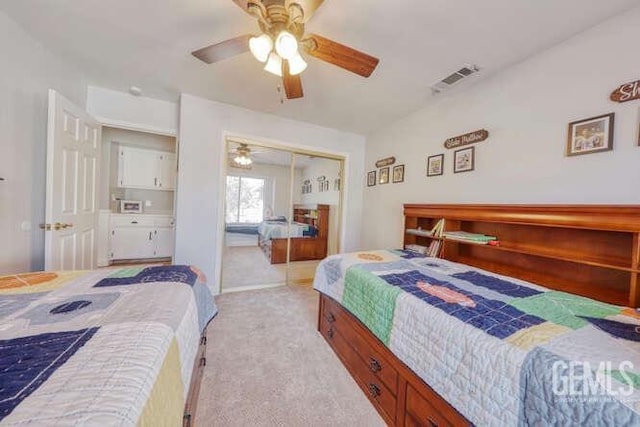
[[73, 159]]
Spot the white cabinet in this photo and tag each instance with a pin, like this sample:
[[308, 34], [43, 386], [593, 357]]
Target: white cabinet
[[147, 169], [141, 236]]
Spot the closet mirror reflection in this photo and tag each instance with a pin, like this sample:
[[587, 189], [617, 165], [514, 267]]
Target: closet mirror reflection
[[282, 215]]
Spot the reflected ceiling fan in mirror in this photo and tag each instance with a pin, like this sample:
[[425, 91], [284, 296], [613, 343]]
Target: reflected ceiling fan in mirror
[[241, 157], [282, 25]]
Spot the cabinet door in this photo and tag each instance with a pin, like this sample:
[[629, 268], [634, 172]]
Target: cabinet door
[[167, 171], [164, 242], [132, 242], [138, 168]]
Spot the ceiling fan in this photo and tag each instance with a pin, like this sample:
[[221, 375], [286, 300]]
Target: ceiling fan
[[241, 156], [282, 25]]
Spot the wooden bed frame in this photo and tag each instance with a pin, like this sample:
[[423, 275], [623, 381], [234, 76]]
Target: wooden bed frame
[[302, 248], [589, 250], [188, 419]]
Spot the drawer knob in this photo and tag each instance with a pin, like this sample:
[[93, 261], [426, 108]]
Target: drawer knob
[[374, 390], [331, 318], [330, 333], [431, 423], [374, 365]]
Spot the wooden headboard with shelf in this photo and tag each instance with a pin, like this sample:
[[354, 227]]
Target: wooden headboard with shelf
[[589, 250]]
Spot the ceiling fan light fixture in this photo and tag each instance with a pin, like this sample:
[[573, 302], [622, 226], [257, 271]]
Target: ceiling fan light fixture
[[261, 46], [297, 65], [242, 160], [286, 45], [274, 64]]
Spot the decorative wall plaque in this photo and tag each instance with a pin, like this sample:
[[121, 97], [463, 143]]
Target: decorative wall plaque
[[626, 92], [385, 162], [467, 138]]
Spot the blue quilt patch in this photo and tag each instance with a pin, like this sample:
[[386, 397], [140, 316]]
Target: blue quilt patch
[[27, 362], [164, 273], [403, 253], [496, 318], [626, 331], [501, 286], [332, 270]]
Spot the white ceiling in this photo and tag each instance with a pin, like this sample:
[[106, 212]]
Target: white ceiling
[[147, 43]]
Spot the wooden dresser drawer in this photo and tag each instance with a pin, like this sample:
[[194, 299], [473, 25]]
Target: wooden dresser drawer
[[430, 411], [375, 390], [368, 351]]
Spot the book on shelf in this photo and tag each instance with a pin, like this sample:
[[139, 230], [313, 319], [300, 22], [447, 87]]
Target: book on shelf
[[481, 239], [434, 248], [438, 228], [436, 231]]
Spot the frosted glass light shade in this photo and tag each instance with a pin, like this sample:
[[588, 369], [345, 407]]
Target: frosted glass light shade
[[274, 64], [260, 47], [242, 160], [297, 65], [286, 45]]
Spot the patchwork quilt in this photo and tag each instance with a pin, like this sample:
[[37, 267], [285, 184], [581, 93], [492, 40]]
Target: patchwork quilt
[[502, 351], [104, 347]]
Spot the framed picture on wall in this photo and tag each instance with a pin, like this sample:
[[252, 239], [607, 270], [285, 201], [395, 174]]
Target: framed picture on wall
[[463, 160], [371, 179], [384, 176], [398, 173], [435, 165], [590, 135]]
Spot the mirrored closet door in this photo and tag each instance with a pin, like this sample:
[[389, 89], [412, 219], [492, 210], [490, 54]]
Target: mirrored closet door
[[282, 211]]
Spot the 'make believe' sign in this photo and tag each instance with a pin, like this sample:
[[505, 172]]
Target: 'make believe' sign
[[467, 138]]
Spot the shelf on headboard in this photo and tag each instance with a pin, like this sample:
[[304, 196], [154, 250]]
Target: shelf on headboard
[[590, 250]]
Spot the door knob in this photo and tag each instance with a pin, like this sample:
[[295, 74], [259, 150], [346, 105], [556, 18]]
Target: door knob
[[61, 225]]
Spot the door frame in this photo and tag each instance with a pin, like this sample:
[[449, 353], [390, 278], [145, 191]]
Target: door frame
[[115, 124], [297, 149]]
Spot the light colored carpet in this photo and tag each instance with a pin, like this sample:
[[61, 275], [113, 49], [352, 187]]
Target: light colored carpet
[[268, 366], [248, 266], [239, 239]]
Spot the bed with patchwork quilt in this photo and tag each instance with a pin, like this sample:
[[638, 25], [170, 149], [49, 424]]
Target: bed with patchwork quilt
[[501, 351], [104, 347]]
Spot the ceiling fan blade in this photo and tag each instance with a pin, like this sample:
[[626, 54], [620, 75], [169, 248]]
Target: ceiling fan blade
[[309, 7], [292, 84], [223, 50], [340, 55]]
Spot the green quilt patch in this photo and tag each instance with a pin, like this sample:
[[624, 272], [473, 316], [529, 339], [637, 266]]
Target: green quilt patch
[[626, 377], [370, 299], [562, 308], [126, 272]]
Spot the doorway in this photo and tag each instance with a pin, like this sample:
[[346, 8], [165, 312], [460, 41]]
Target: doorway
[[282, 214]]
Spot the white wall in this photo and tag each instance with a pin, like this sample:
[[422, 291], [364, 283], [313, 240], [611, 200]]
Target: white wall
[[123, 110], [203, 127], [526, 110], [28, 70]]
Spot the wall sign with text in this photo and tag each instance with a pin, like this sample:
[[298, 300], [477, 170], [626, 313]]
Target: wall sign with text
[[467, 138], [385, 162], [626, 92]]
